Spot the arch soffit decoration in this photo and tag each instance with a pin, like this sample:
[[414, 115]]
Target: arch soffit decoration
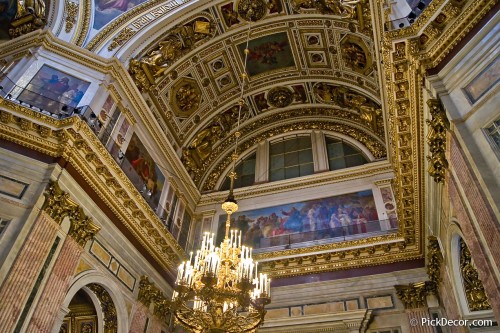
[[87, 278]]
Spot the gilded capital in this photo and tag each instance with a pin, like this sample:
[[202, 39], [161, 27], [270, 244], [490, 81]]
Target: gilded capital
[[59, 205], [147, 291], [413, 296]]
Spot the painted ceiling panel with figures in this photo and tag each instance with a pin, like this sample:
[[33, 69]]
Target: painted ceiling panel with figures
[[304, 62]]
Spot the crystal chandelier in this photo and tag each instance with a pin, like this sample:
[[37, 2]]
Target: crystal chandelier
[[220, 290]]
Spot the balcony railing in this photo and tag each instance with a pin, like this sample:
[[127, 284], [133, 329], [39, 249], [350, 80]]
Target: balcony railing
[[324, 236]]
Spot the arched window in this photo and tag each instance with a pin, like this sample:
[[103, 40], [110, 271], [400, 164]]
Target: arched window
[[245, 172], [343, 155], [290, 157]]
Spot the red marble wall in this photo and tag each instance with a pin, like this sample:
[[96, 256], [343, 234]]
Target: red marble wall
[[449, 302], [56, 288], [485, 225], [24, 272], [139, 319], [415, 317]]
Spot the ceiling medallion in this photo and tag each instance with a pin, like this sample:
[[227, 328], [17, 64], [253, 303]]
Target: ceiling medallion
[[252, 10], [280, 97], [185, 97]]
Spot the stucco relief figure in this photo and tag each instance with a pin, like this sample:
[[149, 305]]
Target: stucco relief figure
[[178, 41], [33, 7], [205, 140], [138, 74], [228, 119], [187, 98], [346, 98], [354, 56], [297, 5], [344, 8], [158, 60]]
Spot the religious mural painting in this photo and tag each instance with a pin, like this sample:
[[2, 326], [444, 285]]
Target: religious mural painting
[[320, 219], [51, 89], [268, 53], [107, 10], [141, 169], [484, 81]]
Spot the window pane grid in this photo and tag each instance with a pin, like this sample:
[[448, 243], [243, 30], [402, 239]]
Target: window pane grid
[[342, 155], [245, 172], [290, 158]]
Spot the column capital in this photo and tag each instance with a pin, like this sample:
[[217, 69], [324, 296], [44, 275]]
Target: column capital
[[59, 205]]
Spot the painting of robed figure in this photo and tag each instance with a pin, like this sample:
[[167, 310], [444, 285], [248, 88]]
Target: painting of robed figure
[[320, 219], [141, 169], [54, 91]]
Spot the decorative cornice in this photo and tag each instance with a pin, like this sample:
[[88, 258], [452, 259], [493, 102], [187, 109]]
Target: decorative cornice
[[77, 144], [141, 112]]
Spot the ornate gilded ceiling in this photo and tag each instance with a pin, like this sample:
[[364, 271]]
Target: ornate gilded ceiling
[[309, 67]]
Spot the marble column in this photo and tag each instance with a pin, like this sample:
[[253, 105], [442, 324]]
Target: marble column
[[55, 289], [19, 282], [139, 319], [416, 317]]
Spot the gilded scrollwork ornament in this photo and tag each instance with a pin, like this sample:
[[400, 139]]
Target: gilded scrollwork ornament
[[434, 260], [107, 306], [436, 138], [121, 38], [477, 299], [71, 11]]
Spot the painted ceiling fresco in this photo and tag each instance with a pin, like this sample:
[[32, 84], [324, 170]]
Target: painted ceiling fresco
[[310, 63]]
